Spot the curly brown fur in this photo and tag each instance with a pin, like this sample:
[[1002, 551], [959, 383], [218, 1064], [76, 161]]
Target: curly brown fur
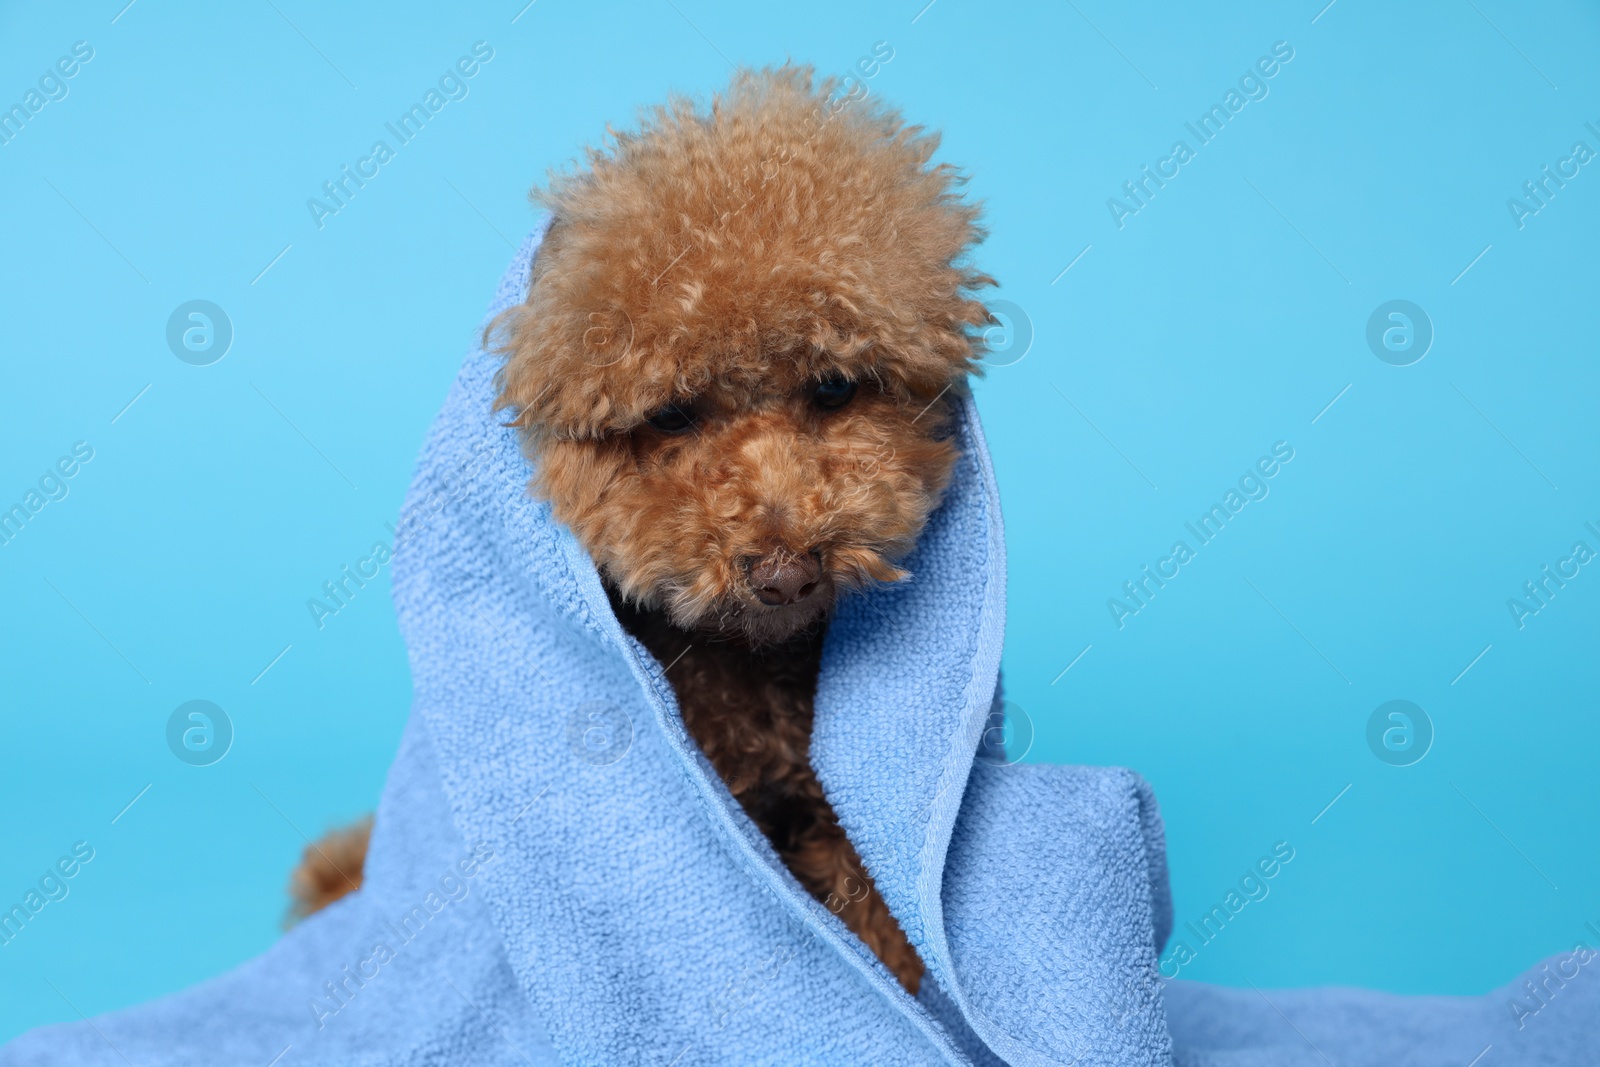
[[733, 376], [728, 261], [329, 869]]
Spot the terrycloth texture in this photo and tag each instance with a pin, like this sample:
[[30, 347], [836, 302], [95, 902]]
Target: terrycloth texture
[[1555, 1023], [558, 876]]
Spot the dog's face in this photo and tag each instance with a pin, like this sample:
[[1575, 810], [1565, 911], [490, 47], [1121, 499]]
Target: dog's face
[[740, 409], [749, 507]]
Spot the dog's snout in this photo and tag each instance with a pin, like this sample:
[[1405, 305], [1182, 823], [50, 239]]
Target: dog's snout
[[784, 577]]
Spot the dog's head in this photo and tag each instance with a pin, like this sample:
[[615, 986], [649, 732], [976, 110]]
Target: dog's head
[[735, 365]]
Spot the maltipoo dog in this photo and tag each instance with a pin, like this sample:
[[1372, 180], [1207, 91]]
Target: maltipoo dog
[[733, 377]]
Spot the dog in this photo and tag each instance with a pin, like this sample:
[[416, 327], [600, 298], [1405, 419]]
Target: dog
[[733, 376]]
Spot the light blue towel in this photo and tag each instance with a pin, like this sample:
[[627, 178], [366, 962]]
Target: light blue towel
[[558, 876]]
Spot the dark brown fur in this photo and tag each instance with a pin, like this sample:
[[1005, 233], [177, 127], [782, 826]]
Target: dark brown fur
[[750, 711]]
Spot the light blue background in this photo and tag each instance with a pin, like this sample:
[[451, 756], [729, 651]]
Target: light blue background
[[1222, 318]]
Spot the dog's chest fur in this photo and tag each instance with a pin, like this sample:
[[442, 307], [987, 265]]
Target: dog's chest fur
[[750, 711]]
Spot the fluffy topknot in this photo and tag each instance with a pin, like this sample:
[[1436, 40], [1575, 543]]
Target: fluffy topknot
[[784, 235]]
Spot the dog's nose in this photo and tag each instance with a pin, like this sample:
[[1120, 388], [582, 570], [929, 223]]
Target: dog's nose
[[784, 578]]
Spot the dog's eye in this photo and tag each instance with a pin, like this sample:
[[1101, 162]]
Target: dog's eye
[[834, 391], [674, 418]]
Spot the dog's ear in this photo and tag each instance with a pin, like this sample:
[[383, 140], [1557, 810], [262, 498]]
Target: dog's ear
[[552, 234], [500, 335]]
